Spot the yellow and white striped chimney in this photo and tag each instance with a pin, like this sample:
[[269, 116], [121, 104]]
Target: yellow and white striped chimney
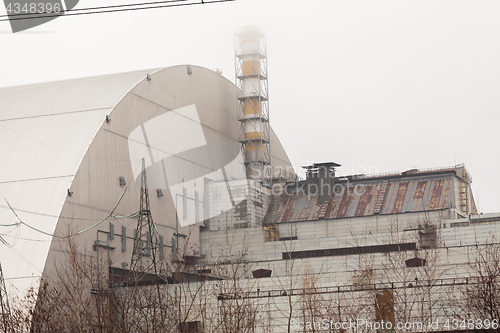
[[251, 78]]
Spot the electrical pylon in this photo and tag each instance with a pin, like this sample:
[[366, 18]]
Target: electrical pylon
[[4, 300], [147, 254]]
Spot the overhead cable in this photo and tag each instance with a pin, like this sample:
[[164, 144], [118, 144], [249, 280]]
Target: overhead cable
[[79, 232], [110, 215], [109, 9]]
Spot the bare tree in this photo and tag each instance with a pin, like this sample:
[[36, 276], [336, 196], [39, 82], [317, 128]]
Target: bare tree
[[483, 293], [403, 276], [237, 312], [289, 283]]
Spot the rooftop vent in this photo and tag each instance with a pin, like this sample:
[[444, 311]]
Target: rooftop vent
[[261, 273], [320, 179]]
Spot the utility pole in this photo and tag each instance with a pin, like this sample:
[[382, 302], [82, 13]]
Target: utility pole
[[5, 325]]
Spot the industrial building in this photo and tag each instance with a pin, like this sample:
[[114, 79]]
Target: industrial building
[[371, 234], [96, 160]]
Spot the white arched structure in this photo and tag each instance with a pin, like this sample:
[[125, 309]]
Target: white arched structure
[[69, 149]]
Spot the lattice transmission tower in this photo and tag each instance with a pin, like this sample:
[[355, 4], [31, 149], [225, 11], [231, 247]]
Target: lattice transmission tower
[[4, 300], [147, 256]]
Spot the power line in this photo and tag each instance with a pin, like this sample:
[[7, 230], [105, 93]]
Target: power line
[[78, 233], [106, 7], [110, 9], [21, 222]]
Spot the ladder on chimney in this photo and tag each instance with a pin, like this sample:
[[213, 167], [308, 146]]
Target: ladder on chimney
[[270, 233], [322, 210], [382, 195], [464, 194]]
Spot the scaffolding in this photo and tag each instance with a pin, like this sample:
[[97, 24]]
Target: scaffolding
[[253, 114]]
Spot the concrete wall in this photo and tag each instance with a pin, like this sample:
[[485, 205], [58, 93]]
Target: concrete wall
[[448, 264]]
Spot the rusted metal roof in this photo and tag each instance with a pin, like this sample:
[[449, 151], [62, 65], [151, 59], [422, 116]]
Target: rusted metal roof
[[398, 193]]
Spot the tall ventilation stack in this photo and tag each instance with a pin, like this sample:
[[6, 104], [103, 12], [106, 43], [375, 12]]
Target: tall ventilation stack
[[251, 78]]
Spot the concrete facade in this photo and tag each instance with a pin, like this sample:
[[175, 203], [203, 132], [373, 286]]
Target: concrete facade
[[349, 262]]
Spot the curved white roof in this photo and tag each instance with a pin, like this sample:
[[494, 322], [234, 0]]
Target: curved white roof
[[46, 131]]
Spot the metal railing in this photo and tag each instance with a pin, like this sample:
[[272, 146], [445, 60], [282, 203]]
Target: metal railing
[[351, 288], [400, 173]]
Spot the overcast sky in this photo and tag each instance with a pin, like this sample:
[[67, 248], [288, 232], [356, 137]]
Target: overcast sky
[[376, 86]]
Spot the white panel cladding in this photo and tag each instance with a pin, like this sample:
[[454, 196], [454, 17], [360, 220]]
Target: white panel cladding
[[172, 133], [59, 139], [25, 254], [46, 130], [54, 144], [83, 94]]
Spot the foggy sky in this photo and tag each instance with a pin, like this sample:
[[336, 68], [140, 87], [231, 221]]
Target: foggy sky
[[376, 86]]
